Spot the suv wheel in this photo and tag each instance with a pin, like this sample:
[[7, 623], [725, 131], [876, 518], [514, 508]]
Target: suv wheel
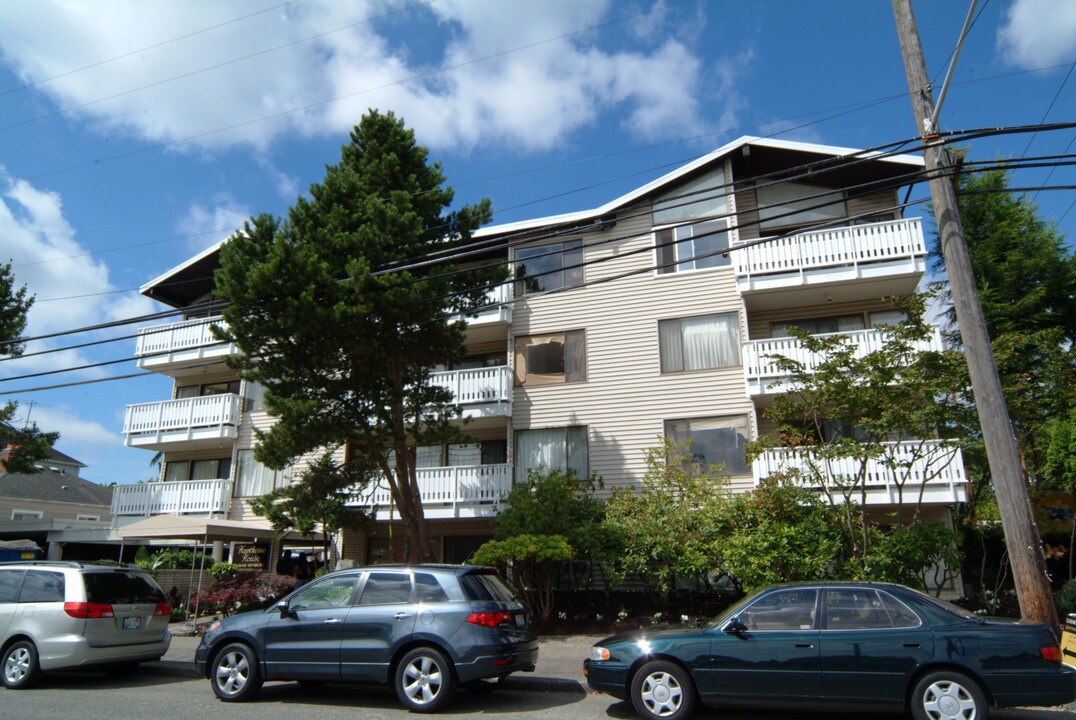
[[235, 675], [20, 668], [425, 680]]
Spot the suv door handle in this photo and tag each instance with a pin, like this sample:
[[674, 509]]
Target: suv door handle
[[911, 644], [804, 645], [333, 621], [402, 615]]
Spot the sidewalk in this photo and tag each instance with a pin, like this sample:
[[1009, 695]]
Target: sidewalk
[[559, 669]]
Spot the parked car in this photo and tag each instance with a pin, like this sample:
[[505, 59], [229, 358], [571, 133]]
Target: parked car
[[426, 629], [856, 646], [56, 615]]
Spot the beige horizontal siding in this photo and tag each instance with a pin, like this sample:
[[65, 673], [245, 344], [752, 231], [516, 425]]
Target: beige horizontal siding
[[51, 509]]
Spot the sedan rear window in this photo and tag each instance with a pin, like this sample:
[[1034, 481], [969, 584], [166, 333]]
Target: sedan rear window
[[121, 588], [486, 586]]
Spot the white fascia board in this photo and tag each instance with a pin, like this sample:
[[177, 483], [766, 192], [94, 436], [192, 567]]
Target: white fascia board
[[668, 178], [182, 266]]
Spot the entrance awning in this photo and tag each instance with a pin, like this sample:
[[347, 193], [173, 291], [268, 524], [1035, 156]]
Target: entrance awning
[[181, 527]]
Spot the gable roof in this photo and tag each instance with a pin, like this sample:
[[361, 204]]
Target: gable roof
[[51, 486]]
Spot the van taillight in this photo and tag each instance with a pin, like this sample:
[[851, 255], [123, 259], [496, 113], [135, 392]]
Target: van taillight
[[163, 609], [88, 610], [491, 619], [1051, 653]]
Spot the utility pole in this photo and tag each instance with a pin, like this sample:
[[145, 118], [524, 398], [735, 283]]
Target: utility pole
[[1021, 536]]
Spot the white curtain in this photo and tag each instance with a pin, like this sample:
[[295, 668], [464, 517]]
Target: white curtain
[[710, 341], [540, 448]]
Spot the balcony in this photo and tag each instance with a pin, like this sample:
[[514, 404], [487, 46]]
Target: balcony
[[449, 492], [761, 370], [202, 497], [482, 392], [936, 471], [181, 348], [192, 423], [885, 258], [492, 321]]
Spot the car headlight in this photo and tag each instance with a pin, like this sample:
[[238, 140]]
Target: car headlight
[[599, 653]]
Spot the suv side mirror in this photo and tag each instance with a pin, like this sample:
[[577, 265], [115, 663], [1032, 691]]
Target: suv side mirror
[[735, 626], [282, 607]]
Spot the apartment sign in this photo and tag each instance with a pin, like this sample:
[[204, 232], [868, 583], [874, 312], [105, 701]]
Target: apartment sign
[[251, 557]]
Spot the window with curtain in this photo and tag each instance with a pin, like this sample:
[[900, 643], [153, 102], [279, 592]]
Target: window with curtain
[[214, 469], [714, 440], [692, 247], [253, 478], [563, 448], [549, 267], [699, 343], [791, 204], [819, 325], [702, 197], [553, 358], [254, 396]]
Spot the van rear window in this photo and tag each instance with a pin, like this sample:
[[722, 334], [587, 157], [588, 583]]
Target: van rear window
[[486, 586], [121, 588]]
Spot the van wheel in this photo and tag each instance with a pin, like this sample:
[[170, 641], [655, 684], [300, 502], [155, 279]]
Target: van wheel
[[235, 675], [20, 668], [425, 680]]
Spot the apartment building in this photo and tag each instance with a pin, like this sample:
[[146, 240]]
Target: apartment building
[[648, 317]]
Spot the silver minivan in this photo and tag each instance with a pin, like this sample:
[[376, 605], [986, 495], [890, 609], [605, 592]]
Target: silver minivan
[[59, 614]]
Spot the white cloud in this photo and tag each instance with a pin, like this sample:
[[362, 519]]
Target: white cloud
[[47, 258], [208, 225], [1039, 33], [518, 73], [73, 429]]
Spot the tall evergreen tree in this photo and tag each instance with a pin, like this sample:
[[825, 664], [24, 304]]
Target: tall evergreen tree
[[1026, 277], [28, 444], [343, 343]]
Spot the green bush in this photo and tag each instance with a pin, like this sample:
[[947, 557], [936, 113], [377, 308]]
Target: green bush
[[1066, 597], [223, 570]]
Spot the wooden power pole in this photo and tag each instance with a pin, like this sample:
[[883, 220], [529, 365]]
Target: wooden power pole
[[1021, 535]]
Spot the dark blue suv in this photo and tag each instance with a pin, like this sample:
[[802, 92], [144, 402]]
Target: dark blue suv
[[424, 628]]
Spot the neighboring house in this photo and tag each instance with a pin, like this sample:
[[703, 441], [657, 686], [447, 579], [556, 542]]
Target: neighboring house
[[54, 507], [624, 324]]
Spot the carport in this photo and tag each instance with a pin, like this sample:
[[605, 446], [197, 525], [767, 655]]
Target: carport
[[204, 531]]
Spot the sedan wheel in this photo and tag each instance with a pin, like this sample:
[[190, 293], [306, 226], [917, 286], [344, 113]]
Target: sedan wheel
[[425, 680], [948, 695], [20, 665], [663, 690], [235, 675]]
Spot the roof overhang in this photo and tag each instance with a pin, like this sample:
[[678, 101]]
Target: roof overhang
[[182, 527]]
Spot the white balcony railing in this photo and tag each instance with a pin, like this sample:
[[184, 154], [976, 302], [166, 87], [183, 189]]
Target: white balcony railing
[[761, 370], [481, 386], [180, 342], [852, 247], [497, 307], [208, 417], [172, 498], [929, 467], [452, 487]]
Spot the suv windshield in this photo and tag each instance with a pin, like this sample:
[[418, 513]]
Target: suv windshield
[[121, 587], [486, 586]]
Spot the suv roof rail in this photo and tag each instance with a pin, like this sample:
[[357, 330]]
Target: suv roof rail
[[71, 563]]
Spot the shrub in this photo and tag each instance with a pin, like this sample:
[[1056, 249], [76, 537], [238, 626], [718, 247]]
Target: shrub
[[240, 594], [223, 570]]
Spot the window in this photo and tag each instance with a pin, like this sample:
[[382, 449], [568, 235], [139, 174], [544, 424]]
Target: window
[[121, 587], [17, 514], [861, 609], [255, 479], [253, 396], [487, 452], [819, 325], [699, 343], [10, 582], [219, 388], [714, 440], [562, 448], [553, 358], [784, 610], [183, 470], [888, 317], [42, 586], [81, 516], [383, 588], [790, 204], [549, 267], [427, 589], [701, 197], [692, 247], [331, 593]]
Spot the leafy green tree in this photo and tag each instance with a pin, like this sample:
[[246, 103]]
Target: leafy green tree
[[532, 562], [1026, 277], [841, 417], [669, 529], [919, 554], [781, 532], [321, 499], [341, 329], [28, 444], [1060, 468]]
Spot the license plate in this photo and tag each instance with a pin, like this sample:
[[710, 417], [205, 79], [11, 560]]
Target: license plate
[[132, 623], [521, 621]]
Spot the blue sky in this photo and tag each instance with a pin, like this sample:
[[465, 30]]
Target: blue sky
[[134, 134]]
